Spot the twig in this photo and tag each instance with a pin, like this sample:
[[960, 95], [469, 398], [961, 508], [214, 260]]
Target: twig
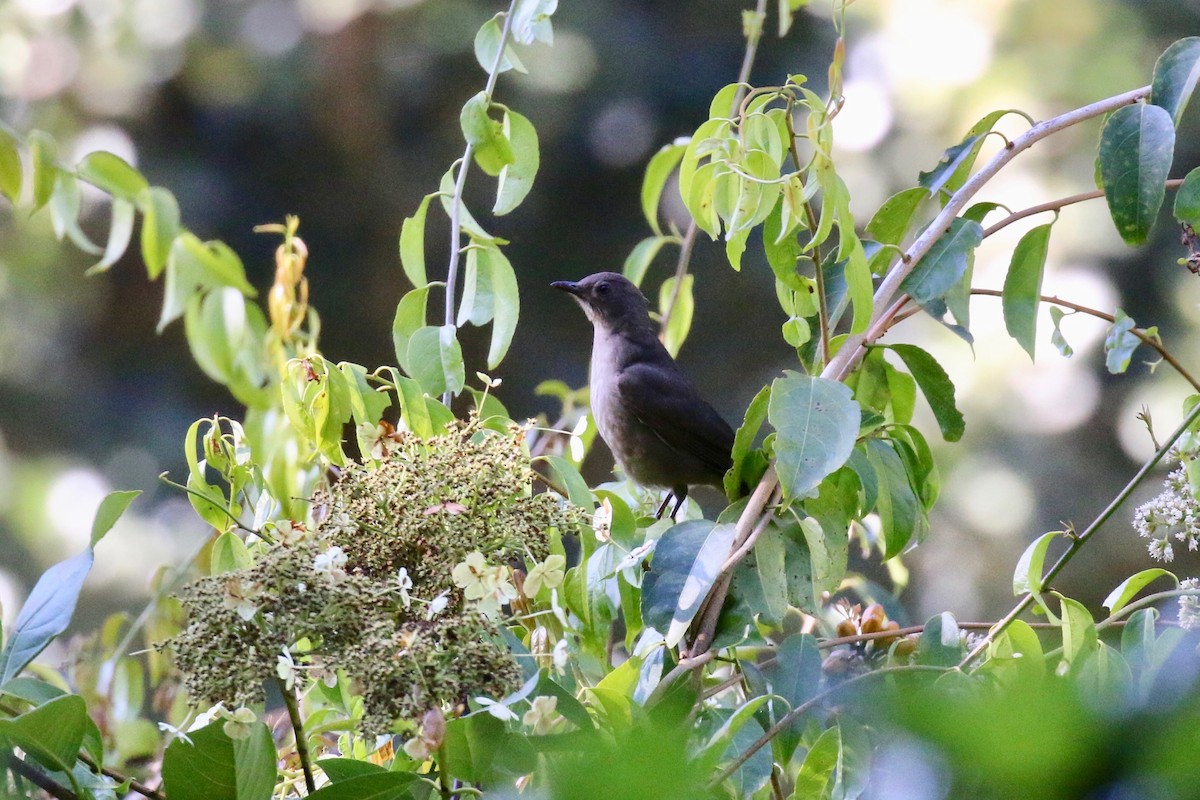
[[852, 349], [136, 785], [1138, 332], [790, 717], [461, 180], [689, 238], [684, 666], [1055, 205], [1078, 541], [293, 709], [39, 780], [1117, 617], [818, 258]]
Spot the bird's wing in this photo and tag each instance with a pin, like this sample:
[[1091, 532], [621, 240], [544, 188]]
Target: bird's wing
[[666, 403]]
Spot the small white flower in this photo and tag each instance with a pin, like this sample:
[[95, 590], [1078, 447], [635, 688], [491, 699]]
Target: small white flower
[[1160, 550], [175, 732], [472, 576], [405, 583], [602, 520], [575, 442], [496, 708], [285, 668], [549, 573], [238, 724], [290, 532], [204, 718], [331, 563], [418, 749], [239, 597], [561, 655], [437, 605], [542, 715]]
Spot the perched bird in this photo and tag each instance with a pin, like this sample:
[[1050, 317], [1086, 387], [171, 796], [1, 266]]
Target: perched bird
[[661, 431]]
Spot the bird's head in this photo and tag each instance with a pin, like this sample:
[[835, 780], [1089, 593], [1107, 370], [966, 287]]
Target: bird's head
[[610, 300]]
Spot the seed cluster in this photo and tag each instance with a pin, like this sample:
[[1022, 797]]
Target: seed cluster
[[368, 592]]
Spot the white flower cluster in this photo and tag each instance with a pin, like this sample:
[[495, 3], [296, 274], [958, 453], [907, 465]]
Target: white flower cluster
[[1174, 512], [1189, 605]]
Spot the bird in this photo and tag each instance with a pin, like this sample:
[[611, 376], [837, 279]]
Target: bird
[[662, 433]]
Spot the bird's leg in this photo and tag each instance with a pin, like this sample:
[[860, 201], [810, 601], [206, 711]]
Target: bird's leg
[[663, 506], [680, 496]]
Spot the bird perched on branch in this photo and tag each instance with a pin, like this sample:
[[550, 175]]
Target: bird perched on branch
[[661, 431]]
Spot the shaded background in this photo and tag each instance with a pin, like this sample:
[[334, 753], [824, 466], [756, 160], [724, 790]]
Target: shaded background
[[345, 112]]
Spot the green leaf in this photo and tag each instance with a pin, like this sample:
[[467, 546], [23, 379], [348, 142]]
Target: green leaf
[[410, 317], [1023, 287], [569, 478], [658, 170], [941, 644], [413, 409], [487, 47], [936, 386], [43, 155], [816, 422], [681, 314], [687, 561], [341, 769], [1078, 629], [110, 510], [379, 784], [1119, 597], [1187, 200], [1027, 577], [1056, 338], [490, 294], [119, 233], [901, 512], [110, 173], [160, 226], [1119, 343], [945, 263], [743, 440], [52, 733], [215, 767], [412, 244], [1136, 148], [46, 613], [465, 220], [492, 149], [516, 178], [638, 260], [229, 553], [1175, 76], [435, 359], [894, 218], [10, 166], [65, 204]]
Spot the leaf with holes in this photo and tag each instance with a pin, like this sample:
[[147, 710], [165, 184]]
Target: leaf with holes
[[1136, 148]]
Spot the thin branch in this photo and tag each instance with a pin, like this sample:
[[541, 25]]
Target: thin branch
[[689, 238], [1078, 541], [790, 717], [1055, 205], [461, 180], [1138, 332], [818, 258], [136, 785], [684, 666], [1117, 617], [39, 780], [293, 709], [852, 349]]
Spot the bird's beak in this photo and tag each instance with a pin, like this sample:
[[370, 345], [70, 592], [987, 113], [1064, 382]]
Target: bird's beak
[[570, 287]]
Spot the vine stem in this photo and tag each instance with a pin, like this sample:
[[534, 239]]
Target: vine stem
[[1079, 540], [843, 362], [1138, 332], [791, 716], [293, 709], [689, 238], [461, 180]]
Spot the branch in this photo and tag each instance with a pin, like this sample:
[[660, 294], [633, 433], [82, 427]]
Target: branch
[[1138, 332], [1055, 205], [1077, 542], [852, 349], [1117, 617], [137, 786], [461, 180], [293, 709], [39, 780], [689, 238]]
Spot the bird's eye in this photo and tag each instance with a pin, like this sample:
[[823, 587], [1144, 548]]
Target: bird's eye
[[602, 288]]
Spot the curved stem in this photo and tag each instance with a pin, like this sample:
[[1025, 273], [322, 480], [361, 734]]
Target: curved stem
[[790, 717], [689, 238], [1078, 541], [1117, 617], [853, 348], [1092, 312], [293, 709], [461, 180], [1055, 205]]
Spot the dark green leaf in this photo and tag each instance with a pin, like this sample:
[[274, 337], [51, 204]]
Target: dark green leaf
[[378, 785], [52, 733], [743, 440], [687, 561], [46, 613], [160, 226], [936, 386], [516, 178], [571, 481], [816, 421], [955, 167], [798, 675], [1119, 343], [341, 769], [10, 166], [110, 173], [1023, 287], [941, 644], [658, 170], [1187, 200], [945, 263], [411, 316], [901, 513], [1136, 148], [1175, 76], [215, 767], [894, 218]]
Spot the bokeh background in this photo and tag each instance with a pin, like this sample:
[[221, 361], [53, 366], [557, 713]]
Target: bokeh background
[[345, 112]]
